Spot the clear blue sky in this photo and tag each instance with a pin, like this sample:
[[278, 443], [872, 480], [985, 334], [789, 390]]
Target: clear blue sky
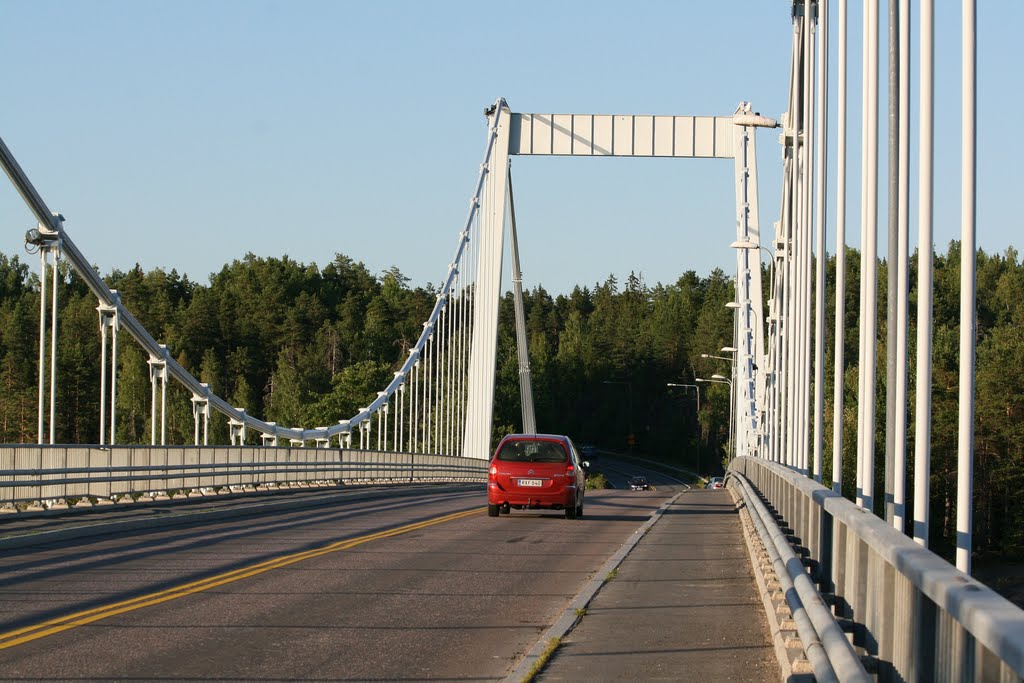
[[183, 135]]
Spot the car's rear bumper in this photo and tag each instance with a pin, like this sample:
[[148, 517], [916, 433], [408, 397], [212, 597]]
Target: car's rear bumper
[[564, 497]]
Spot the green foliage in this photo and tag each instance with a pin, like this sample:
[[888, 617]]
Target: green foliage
[[352, 388], [303, 345], [999, 397], [596, 481]]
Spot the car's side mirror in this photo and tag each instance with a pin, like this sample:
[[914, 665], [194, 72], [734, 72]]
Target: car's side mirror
[[585, 464]]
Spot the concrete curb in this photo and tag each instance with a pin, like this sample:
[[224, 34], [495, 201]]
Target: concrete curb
[[104, 527], [571, 615]]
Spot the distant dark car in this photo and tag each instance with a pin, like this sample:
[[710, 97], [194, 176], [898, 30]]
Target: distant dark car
[[532, 471], [716, 483], [638, 484], [589, 452]]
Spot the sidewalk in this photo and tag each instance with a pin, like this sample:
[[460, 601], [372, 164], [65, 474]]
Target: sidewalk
[[682, 605]]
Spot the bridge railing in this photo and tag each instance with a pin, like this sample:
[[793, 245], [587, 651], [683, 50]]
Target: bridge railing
[[917, 615], [37, 473]]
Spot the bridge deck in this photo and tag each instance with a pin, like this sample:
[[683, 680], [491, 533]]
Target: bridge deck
[[683, 603]]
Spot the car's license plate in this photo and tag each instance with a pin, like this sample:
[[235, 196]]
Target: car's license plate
[[531, 482]]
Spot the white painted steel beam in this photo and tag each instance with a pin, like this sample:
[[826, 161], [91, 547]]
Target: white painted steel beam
[[902, 276], [483, 349], [968, 287], [840, 288], [821, 141], [522, 342], [749, 323], [618, 135], [925, 266]]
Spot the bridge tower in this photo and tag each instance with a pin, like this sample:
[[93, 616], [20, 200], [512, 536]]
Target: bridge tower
[[606, 135]]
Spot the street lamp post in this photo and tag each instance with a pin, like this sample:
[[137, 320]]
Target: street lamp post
[[721, 379], [629, 390], [748, 244], [696, 389], [732, 350]]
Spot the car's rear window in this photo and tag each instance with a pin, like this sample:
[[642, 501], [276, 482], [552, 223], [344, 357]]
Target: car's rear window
[[532, 451]]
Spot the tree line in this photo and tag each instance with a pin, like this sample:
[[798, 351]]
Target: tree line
[[305, 345]]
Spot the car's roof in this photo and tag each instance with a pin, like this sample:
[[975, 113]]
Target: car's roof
[[536, 437]]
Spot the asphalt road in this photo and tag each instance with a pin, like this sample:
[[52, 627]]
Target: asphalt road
[[618, 472], [352, 590]]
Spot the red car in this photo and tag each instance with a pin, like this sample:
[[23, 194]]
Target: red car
[[531, 471]]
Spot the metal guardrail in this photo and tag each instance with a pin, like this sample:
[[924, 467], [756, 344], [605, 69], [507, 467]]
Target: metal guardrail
[[828, 650], [917, 615], [35, 473]]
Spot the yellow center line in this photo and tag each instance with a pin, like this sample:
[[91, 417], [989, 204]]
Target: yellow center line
[[46, 628]]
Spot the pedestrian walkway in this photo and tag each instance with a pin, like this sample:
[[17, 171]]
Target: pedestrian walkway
[[683, 605]]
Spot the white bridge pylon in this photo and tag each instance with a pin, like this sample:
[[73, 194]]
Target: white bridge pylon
[[599, 135]]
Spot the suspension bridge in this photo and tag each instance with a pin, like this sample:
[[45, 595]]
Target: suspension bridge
[[866, 599]]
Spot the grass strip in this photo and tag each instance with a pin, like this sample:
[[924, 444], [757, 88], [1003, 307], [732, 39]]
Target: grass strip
[[542, 659]]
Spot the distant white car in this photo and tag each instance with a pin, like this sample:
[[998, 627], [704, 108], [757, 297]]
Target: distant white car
[[716, 483]]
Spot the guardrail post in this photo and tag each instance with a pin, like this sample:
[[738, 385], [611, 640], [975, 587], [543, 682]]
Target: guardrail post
[[884, 614], [857, 586], [840, 593], [826, 548]]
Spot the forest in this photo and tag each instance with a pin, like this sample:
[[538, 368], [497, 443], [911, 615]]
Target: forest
[[302, 344]]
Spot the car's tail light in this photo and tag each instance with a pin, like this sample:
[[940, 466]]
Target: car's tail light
[[570, 471], [493, 471]]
